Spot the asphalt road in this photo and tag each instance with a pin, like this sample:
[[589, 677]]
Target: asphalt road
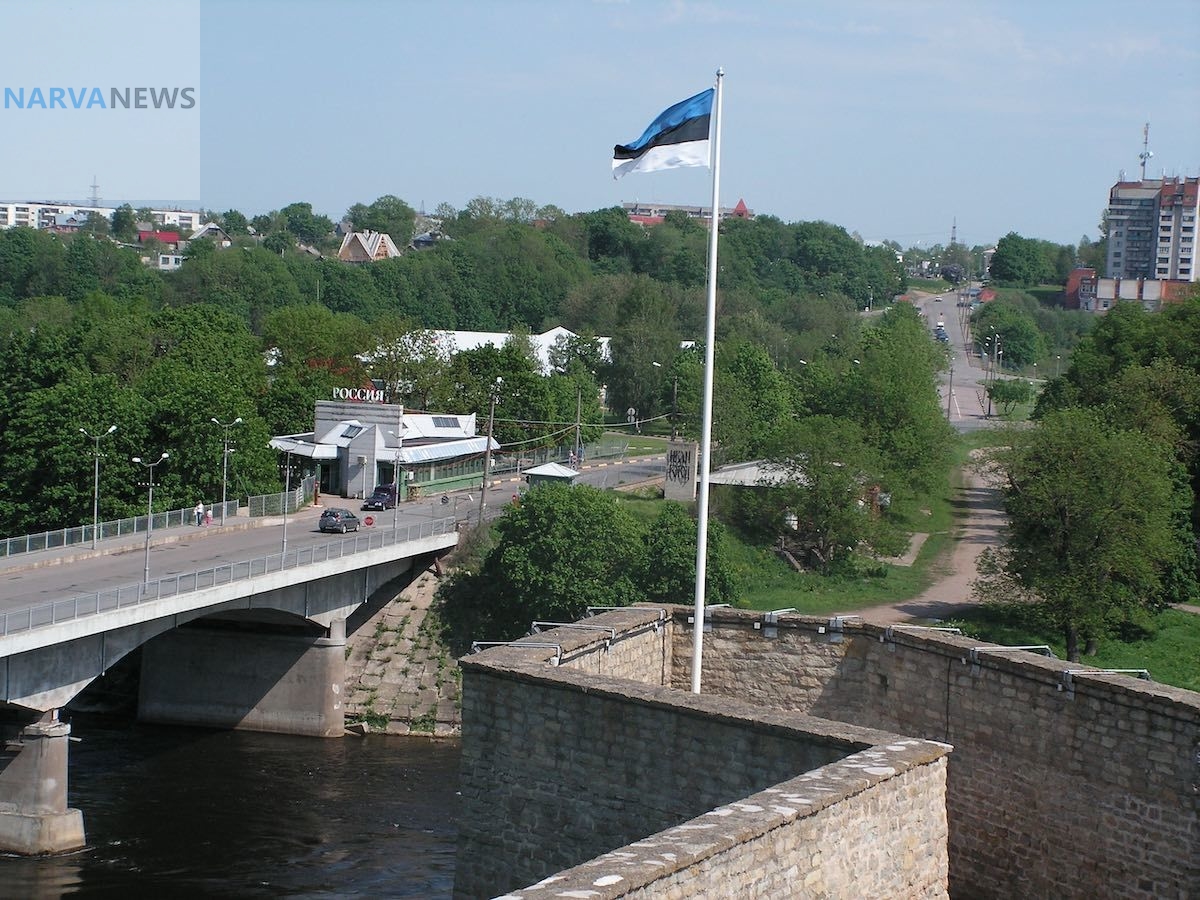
[[960, 389], [34, 579]]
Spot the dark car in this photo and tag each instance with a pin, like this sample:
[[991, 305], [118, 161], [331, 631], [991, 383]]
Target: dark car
[[339, 520], [383, 497]]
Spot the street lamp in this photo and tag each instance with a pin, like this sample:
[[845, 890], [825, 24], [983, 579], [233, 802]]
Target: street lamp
[[1057, 363], [96, 479], [287, 496], [149, 507], [494, 398], [396, 478], [225, 460], [674, 402], [950, 391]]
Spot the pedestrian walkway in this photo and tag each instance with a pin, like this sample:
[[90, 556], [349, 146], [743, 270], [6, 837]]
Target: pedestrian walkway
[[979, 523], [76, 552]]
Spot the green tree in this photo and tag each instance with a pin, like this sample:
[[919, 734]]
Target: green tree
[[572, 350], [1093, 530], [817, 503], [557, 552], [1006, 393], [412, 364], [234, 223], [124, 223], [751, 397], [300, 220], [1016, 261], [670, 560], [388, 214]]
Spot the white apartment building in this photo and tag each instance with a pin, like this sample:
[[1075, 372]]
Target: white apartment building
[[42, 214], [1152, 229]]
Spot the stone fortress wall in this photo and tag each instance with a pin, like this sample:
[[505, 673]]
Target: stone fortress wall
[[591, 765]]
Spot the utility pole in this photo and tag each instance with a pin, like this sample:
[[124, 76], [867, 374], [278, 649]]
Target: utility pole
[[578, 423], [675, 408], [225, 460], [487, 453], [950, 391]]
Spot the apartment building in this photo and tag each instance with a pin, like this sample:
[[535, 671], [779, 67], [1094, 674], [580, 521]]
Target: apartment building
[[1152, 229], [45, 214], [655, 213]]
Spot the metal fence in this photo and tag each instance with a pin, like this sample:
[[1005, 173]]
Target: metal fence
[[133, 595], [265, 505], [518, 462], [273, 504], [82, 534]]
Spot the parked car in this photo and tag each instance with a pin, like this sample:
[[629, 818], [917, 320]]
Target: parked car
[[339, 520], [383, 497]]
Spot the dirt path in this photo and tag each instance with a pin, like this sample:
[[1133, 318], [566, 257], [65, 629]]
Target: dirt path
[[978, 521]]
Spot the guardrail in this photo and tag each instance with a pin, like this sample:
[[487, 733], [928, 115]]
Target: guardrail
[[82, 534], [33, 617], [261, 505]]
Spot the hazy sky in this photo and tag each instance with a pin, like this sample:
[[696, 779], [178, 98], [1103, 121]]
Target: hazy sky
[[888, 118]]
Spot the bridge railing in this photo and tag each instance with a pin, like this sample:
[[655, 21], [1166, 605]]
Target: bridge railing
[[259, 505], [132, 595], [82, 534]]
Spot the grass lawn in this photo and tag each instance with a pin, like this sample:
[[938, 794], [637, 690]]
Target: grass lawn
[[646, 444], [767, 582], [1168, 650]]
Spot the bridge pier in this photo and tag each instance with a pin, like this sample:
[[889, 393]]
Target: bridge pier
[[34, 817], [221, 676]]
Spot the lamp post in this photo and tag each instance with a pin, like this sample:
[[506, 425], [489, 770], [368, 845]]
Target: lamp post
[[578, 424], [949, 391], [1057, 363], [96, 479], [149, 507], [674, 401], [225, 460], [287, 496], [397, 476], [494, 398]]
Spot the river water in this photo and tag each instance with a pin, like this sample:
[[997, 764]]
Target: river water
[[183, 812]]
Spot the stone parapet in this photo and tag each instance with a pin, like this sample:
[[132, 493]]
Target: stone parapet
[[562, 764]]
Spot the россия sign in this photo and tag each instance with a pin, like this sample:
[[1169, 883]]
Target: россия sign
[[361, 395]]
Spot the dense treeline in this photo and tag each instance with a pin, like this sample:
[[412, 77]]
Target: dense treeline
[[259, 330], [1101, 493]]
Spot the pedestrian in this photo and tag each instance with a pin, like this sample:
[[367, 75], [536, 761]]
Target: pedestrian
[[208, 515], [199, 511]]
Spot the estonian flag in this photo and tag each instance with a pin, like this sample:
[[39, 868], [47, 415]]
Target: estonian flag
[[678, 137]]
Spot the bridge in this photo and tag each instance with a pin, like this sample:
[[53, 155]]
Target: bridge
[[238, 626]]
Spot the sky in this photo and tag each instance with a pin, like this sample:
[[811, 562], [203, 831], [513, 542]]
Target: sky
[[895, 120]]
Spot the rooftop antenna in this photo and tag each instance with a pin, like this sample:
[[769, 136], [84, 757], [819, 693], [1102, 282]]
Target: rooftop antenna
[[94, 199], [1145, 155]]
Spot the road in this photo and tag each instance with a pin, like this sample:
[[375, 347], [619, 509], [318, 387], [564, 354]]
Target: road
[[960, 389], [34, 579]]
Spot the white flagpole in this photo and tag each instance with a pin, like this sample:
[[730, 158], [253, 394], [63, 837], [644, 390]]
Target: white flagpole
[[706, 433]]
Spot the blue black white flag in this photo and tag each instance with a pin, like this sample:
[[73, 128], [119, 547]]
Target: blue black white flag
[[678, 137]]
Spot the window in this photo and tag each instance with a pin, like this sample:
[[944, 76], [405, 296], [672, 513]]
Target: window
[[352, 431], [445, 422]]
